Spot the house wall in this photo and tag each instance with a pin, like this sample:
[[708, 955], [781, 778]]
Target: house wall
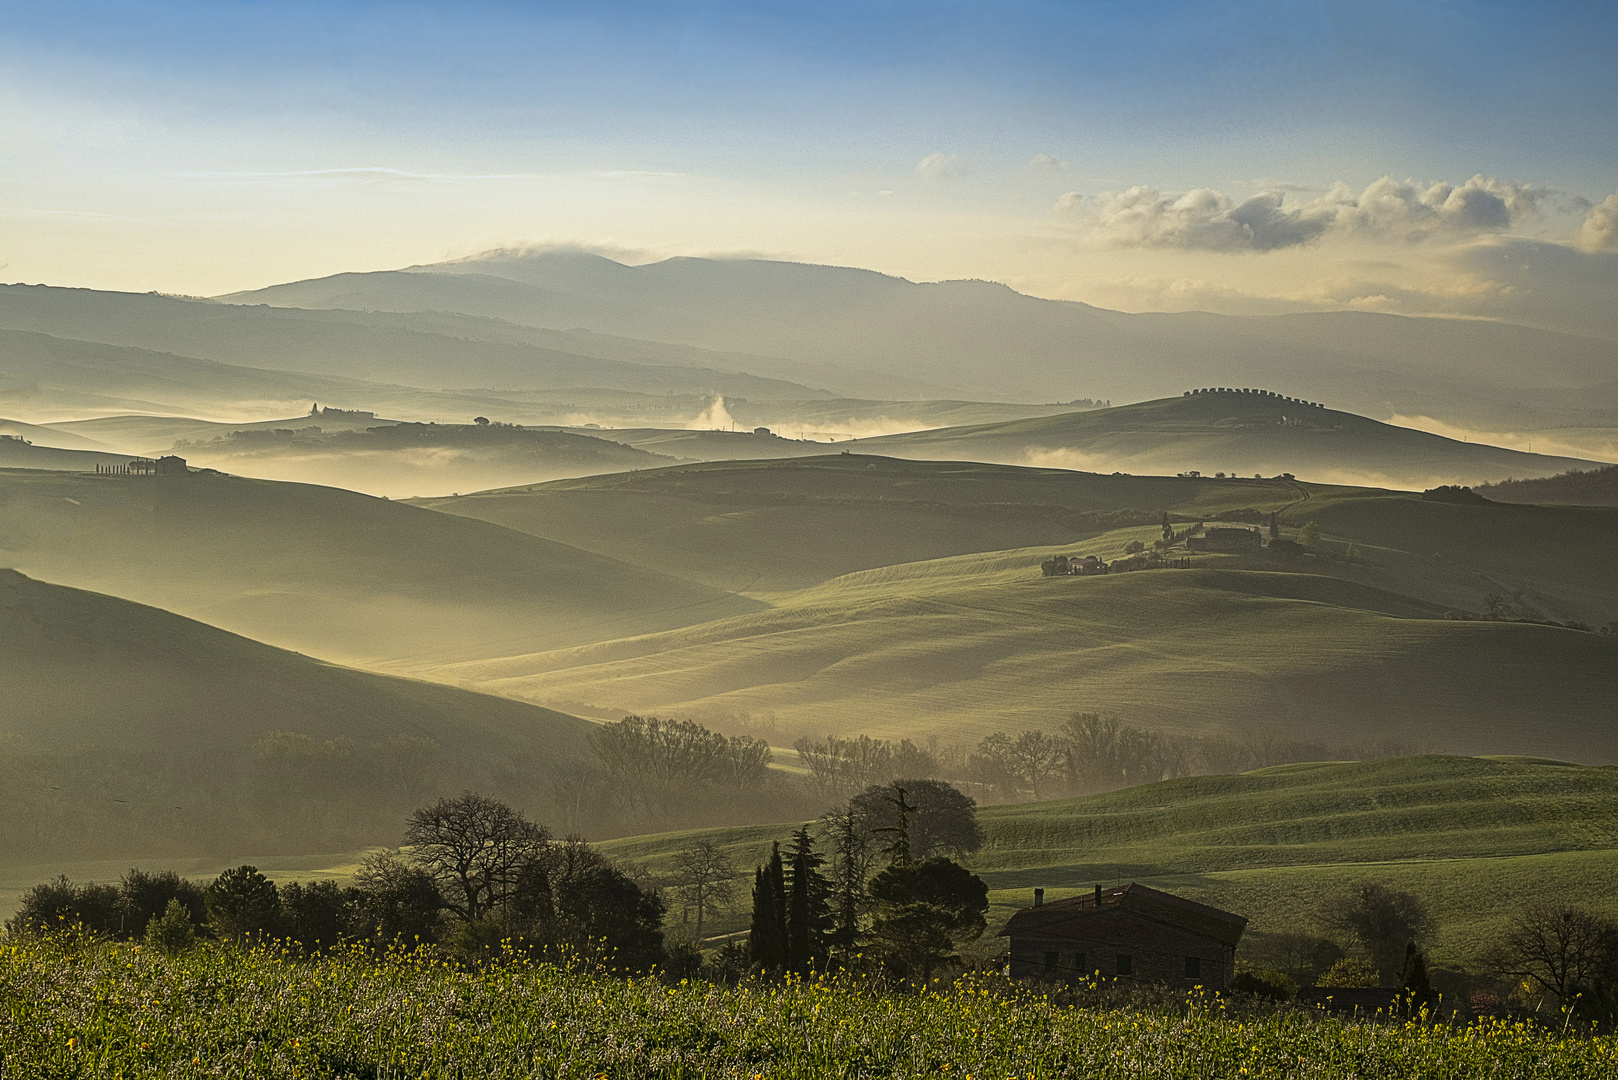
[[1157, 953]]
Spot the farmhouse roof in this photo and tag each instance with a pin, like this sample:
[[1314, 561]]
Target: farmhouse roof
[[1067, 918]]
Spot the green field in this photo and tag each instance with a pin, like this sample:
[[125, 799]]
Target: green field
[[1472, 837], [116, 1011]]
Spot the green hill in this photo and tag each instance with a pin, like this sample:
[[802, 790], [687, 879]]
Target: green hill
[[1579, 487], [962, 646], [332, 572], [19, 453], [1471, 836], [785, 524], [1232, 432], [128, 730]]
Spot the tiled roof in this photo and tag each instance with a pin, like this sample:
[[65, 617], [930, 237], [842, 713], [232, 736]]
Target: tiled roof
[[1066, 918]]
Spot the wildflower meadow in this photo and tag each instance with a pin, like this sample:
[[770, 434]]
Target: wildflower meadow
[[85, 1009]]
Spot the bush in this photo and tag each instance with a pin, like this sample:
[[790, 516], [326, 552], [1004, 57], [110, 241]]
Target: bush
[[172, 932], [1351, 972], [1134, 547]]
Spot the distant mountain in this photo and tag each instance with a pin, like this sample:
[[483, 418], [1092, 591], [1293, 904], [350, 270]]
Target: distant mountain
[[977, 339], [1580, 487], [1240, 433], [128, 730]]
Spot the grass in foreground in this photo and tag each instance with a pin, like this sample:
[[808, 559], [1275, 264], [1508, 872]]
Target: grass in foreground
[[80, 1011]]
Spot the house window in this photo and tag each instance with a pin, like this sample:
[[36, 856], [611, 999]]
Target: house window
[[1193, 967], [1126, 965], [1078, 964], [1051, 960]]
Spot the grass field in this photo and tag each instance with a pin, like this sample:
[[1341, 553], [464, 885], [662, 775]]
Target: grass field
[[112, 1011], [1473, 837]]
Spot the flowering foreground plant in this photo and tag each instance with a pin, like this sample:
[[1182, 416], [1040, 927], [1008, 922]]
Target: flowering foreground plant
[[76, 1009]]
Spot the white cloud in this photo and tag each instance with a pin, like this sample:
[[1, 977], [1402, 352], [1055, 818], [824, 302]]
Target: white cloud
[[1600, 229], [1047, 163], [1210, 220], [940, 166]]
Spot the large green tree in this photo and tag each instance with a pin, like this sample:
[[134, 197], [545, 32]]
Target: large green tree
[[924, 912]]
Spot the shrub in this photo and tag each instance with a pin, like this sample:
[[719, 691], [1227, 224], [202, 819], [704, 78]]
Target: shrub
[[172, 932], [1350, 972]]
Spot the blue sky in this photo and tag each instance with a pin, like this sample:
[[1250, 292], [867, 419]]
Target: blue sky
[[208, 146]]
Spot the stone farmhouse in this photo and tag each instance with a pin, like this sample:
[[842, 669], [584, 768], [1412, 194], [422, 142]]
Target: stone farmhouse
[[1126, 932]]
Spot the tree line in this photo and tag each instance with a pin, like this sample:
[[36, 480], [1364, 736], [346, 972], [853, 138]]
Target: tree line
[[475, 876]]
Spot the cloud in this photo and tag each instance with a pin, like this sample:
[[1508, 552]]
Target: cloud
[[1209, 220], [1600, 229], [940, 166], [1047, 163]]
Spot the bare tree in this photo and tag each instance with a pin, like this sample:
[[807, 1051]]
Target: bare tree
[[1092, 746], [705, 879], [1038, 758], [479, 850], [841, 766], [1558, 948]]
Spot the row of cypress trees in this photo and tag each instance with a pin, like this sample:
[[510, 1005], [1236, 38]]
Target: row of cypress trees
[[792, 926]]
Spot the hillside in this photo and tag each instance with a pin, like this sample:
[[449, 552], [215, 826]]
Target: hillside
[[331, 572], [129, 730], [1469, 835], [1239, 433], [959, 647], [976, 339], [403, 459], [787, 524], [1578, 487], [17, 452]]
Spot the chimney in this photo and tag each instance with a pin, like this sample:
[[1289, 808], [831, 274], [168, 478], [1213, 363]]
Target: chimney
[[1039, 897], [1098, 895]]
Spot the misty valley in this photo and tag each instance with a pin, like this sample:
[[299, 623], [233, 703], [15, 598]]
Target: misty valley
[[735, 541]]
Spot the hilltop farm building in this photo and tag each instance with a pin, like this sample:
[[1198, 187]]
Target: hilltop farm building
[[1127, 932]]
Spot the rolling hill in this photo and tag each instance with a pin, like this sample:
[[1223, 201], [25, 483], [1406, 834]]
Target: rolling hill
[[404, 459], [328, 571], [959, 647], [1580, 487], [787, 524], [974, 339], [1236, 432], [1470, 836], [126, 729]]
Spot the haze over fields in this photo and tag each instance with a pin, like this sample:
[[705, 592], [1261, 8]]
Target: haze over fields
[[1188, 436]]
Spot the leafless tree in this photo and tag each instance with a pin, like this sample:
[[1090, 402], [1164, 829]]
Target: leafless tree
[[1384, 921], [705, 879], [1558, 948], [479, 850]]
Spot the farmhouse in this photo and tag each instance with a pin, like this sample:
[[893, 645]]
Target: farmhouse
[[170, 465], [1228, 538], [1126, 932]]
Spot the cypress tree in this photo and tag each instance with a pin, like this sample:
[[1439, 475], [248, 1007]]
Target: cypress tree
[[767, 937], [808, 912]]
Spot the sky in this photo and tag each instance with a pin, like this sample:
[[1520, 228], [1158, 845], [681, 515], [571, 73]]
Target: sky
[[1452, 158]]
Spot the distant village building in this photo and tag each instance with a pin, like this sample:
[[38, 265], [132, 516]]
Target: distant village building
[[1127, 932], [761, 431], [170, 465], [1229, 538], [1253, 393]]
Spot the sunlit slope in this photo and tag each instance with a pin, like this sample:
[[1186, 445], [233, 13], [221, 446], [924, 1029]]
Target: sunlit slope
[[16, 454], [963, 646], [141, 433], [328, 571], [180, 706], [1553, 558], [1471, 836], [1240, 433], [768, 525]]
